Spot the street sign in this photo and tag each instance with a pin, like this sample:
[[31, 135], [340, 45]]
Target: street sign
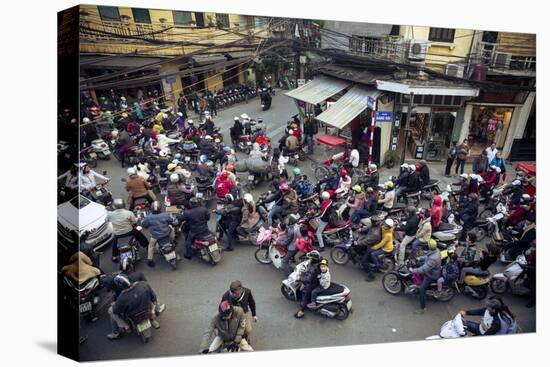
[[370, 102], [170, 79], [384, 116]]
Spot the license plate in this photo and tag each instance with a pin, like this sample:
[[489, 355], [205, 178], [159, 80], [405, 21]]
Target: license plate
[[144, 325], [199, 195], [349, 305], [296, 156], [187, 159], [85, 307], [213, 247], [251, 177], [248, 143], [170, 256], [93, 155]]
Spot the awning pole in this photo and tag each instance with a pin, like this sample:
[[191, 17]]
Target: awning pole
[[372, 126], [407, 127]]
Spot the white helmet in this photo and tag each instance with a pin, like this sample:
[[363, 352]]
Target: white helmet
[[186, 173], [190, 122], [290, 131], [516, 183], [208, 137], [85, 120], [236, 118], [244, 116], [248, 198], [180, 114], [473, 175], [373, 167], [174, 177], [325, 195], [114, 133], [412, 167], [480, 179], [389, 222], [493, 167], [464, 175], [123, 98], [526, 197], [131, 171], [404, 165], [164, 116], [163, 153], [498, 170]]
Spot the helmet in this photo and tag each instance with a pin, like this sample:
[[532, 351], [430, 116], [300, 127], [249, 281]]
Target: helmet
[[373, 167], [344, 172], [325, 195], [123, 98], [203, 158], [283, 187], [464, 175], [85, 120], [526, 197], [208, 137], [225, 174], [122, 282], [114, 133], [118, 203], [164, 116], [389, 222], [179, 114], [190, 122], [244, 116], [171, 166], [357, 189], [232, 151], [389, 184], [314, 255], [473, 175], [229, 167], [498, 170], [209, 163], [296, 171], [163, 153], [225, 310], [174, 177], [186, 173], [290, 131], [370, 190], [226, 149], [516, 183], [177, 156], [248, 198], [236, 118], [124, 115], [155, 207], [201, 122], [493, 167], [229, 197], [404, 165], [252, 122], [194, 202], [293, 218], [432, 244], [131, 171], [412, 167]]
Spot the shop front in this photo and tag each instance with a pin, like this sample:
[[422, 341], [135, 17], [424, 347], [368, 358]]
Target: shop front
[[489, 124]]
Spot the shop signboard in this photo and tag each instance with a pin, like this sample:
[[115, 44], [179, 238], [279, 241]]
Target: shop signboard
[[170, 79], [384, 116]]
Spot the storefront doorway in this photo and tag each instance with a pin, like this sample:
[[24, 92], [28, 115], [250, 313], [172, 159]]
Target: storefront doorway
[[440, 134], [488, 124]]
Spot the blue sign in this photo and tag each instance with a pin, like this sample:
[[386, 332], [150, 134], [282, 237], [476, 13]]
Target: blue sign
[[384, 116], [370, 102], [171, 79]]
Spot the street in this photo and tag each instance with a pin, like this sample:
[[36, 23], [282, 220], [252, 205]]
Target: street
[[192, 292]]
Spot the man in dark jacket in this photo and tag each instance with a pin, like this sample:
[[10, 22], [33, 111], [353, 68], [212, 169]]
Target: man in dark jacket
[[481, 163], [159, 226], [430, 270], [236, 131], [467, 213], [372, 179], [135, 299], [410, 228], [207, 148], [310, 129], [413, 183], [197, 218], [367, 238], [424, 173], [242, 297], [227, 330], [231, 219]]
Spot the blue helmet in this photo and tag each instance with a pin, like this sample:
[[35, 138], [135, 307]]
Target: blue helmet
[[203, 158], [226, 149]]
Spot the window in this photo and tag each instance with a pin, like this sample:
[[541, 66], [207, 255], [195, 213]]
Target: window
[[141, 15], [490, 37], [417, 99], [222, 20], [199, 17], [523, 63], [182, 18], [394, 30], [442, 35], [109, 13]]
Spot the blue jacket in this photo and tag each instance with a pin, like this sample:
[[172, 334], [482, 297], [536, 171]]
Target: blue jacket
[[499, 162], [158, 224]]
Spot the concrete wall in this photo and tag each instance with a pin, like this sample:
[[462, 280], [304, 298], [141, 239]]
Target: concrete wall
[[517, 125], [213, 81], [385, 128]]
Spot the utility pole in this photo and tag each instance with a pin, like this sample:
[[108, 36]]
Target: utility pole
[[407, 127]]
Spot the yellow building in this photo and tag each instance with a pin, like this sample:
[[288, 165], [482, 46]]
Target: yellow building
[[152, 46]]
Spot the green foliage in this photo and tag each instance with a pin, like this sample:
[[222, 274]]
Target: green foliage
[[391, 157]]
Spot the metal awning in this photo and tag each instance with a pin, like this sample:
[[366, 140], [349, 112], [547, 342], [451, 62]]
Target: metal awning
[[318, 90], [122, 62], [351, 104], [427, 89], [208, 59]]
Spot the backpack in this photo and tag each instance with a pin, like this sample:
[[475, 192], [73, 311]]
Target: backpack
[[451, 271]]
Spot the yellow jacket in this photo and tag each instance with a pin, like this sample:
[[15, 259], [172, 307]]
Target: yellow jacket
[[386, 243]]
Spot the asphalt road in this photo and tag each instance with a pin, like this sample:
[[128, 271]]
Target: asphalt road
[[192, 292]]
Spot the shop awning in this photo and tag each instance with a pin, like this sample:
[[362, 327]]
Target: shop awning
[[208, 59], [122, 62], [351, 104], [428, 89], [318, 90]]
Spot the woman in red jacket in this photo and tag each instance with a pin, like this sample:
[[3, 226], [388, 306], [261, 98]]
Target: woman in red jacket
[[436, 212]]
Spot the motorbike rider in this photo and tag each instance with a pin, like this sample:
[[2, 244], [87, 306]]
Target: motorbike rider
[[227, 328], [250, 216], [134, 299], [357, 201], [175, 191], [204, 169], [514, 191], [159, 225], [242, 297], [413, 183], [124, 224], [388, 197], [436, 212], [303, 187], [197, 218], [308, 276], [529, 234], [291, 142], [410, 228], [286, 202], [371, 203], [88, 178], [385, 245], [209, 126], [207, 148], [467, 213], [326, 216], [80, 268], [423, 172], [71, 177], [424, 232], [232, 217], [491, 318], [489, 180], [479, 267], [430, 270], [137, 187], [290, 240], [372, 179], [344, 184], [236, 131], [256, 152]]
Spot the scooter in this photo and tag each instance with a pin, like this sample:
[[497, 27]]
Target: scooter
[[141, 325], [129, 253], [207, 248], [101, 149], [268, 251], [511, 279], [474, 286], [334, 302], [167, 249], [205, 191], [89, 300]]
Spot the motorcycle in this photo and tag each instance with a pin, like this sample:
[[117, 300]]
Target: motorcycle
[[207, 248], [244, 144], [101, 149], [342, 253], [102, 195], [190, 155], [141, 325], [403, 280], [474, 286], [89, 300], [221, 228], [129, 253], [431, 189], [297, 155], [334, 302], [167, 249], [87, 155], [511, 279], [332, 235], [141, 208], [268, 251], [205, 191]]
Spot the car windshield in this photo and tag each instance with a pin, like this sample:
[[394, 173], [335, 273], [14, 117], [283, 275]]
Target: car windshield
[[79, 202]]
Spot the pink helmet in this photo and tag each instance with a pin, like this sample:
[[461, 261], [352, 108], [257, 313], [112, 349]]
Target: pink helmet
[[283, 186]]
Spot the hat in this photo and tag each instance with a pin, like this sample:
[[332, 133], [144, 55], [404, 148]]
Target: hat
[[324, 262], [171, 166]]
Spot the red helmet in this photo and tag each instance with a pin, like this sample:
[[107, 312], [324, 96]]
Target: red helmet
[[344, 172], [283, 186], [226, 310], [225, 174]]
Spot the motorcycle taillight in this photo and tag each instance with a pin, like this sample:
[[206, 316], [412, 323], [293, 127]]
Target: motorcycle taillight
[[84, 292]]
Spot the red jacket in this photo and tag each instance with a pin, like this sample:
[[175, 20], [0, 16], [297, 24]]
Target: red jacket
[[223, 186], [436, 212], [490, 179], [305, 244]]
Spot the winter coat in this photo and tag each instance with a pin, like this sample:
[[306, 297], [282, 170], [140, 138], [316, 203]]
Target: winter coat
[[80, 268], [324, 279], [432, 265], [135, 300], [290, 201], [413, 182], [411, 226], [424, 175], [451, 153], [462, 151], [231, 330], [468, 212], [499, 162], [88, 181], [158, 224], [436, 211], [424, 232], [245, 301], [371, 204], [175, 193], [292, 143], [250, 215], [371, 180], [223, 186], [137, 186], [386, 243], [123, 221], [359, 202], [481, 163], [387, 200], [197, 218]]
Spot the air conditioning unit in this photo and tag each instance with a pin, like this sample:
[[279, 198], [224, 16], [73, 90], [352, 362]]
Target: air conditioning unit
[[417, 50], [502, 60], [455, 70]]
